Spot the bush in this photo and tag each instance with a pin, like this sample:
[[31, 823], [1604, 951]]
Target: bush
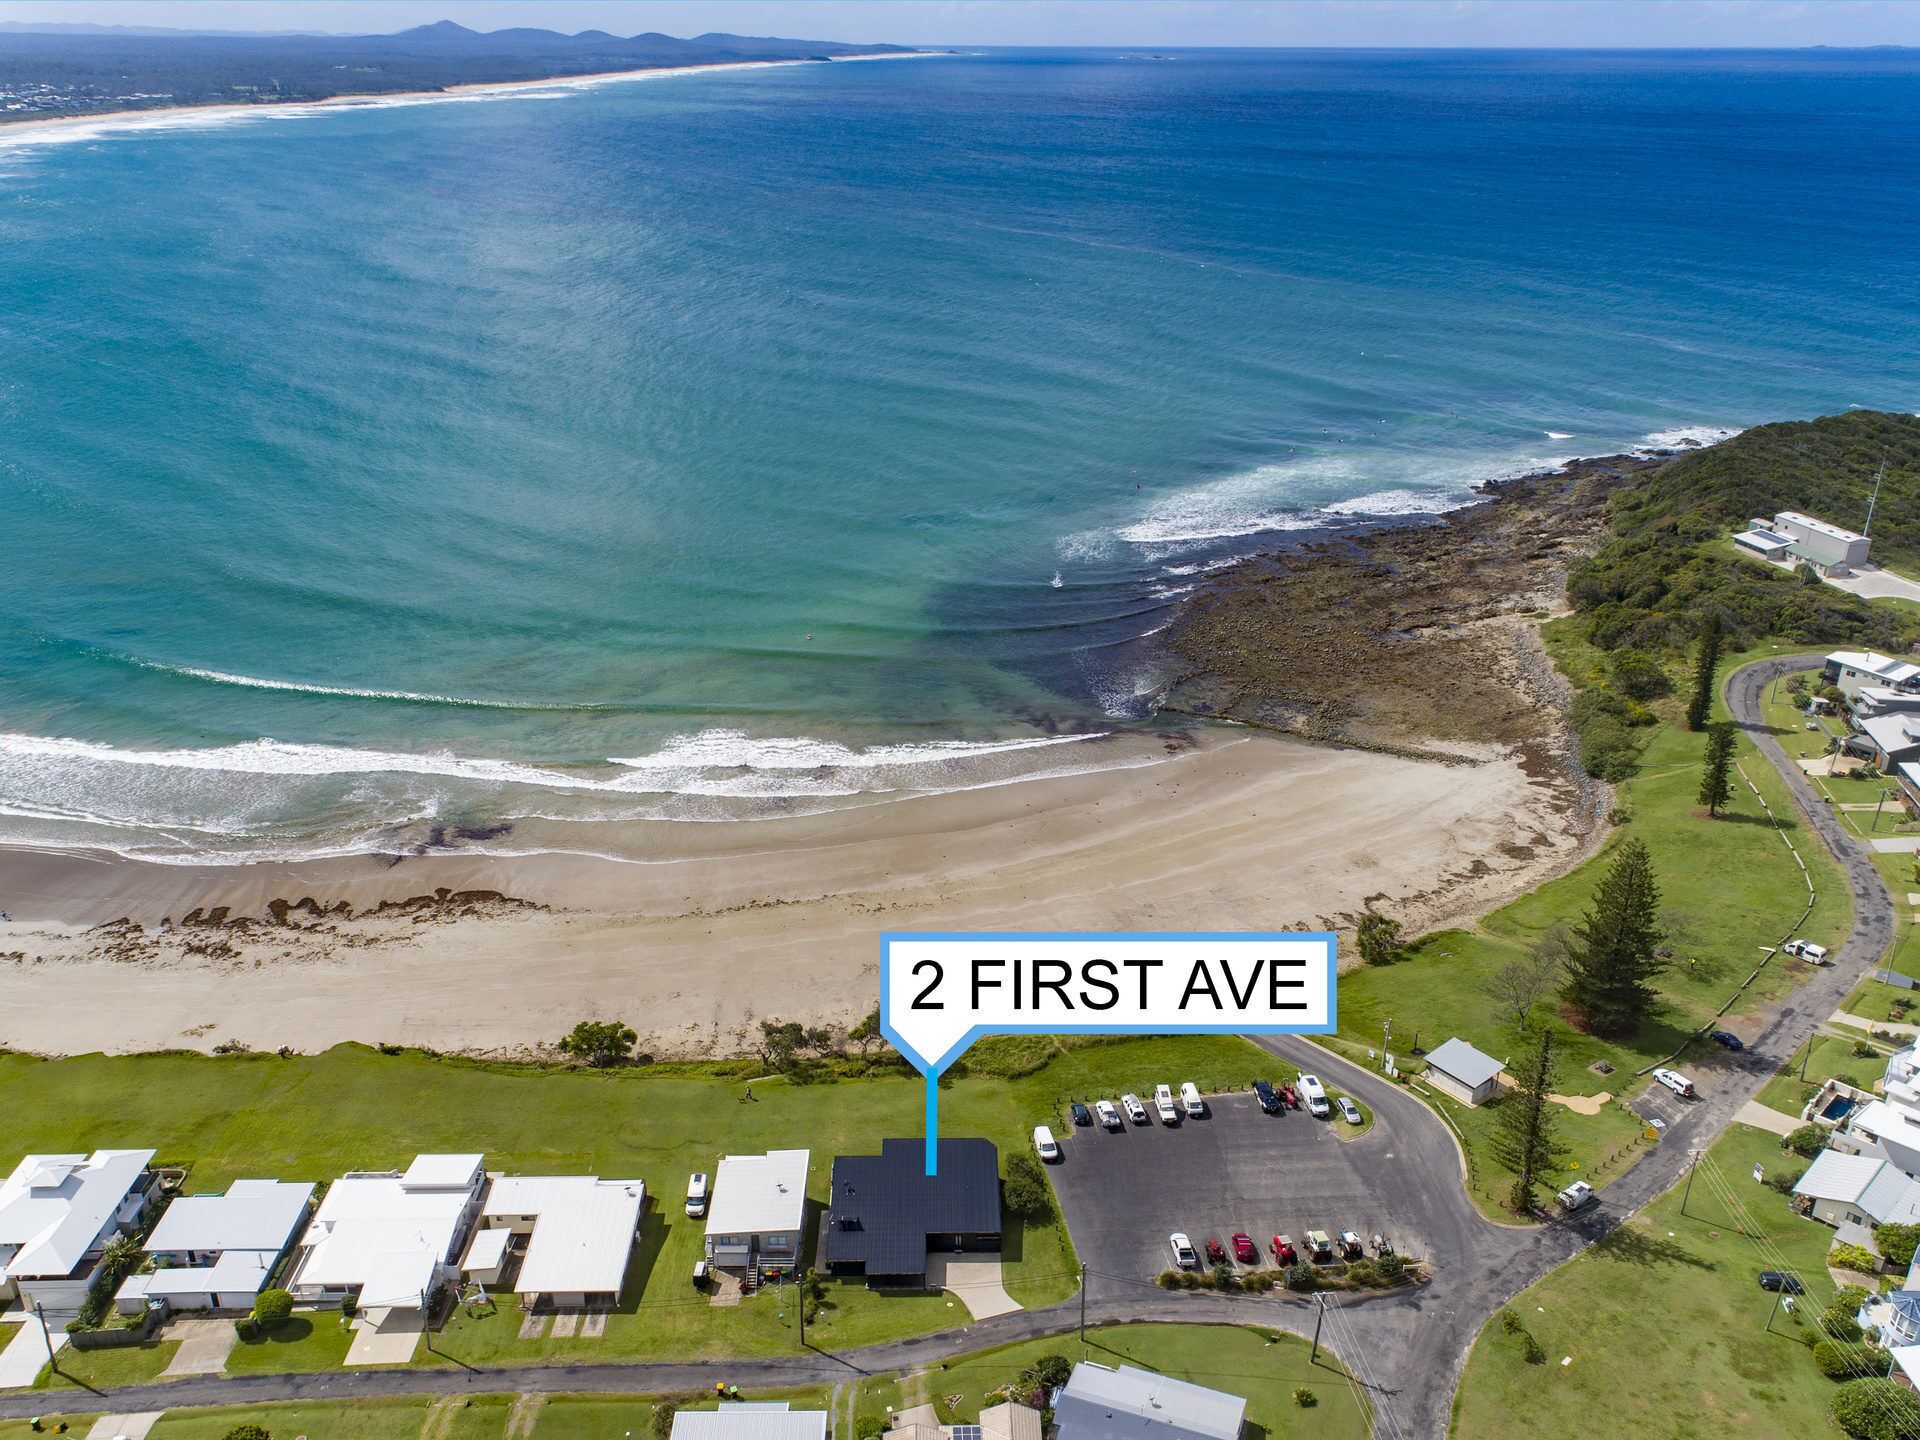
[[270, 1309], [1806, 1142], [662, 1423], [599, 1042], [1053, 1371], [1378, 939], [1026, 1186], [1837, 1322], [1258, 1282], [1863, 1051], [1854, 1257], [871, 1427], [1838, 1360], [1305, 1398], [1301, 1277], [1784, 1180], [1510, 1323], [1638, 676], [1897, 1243], [1875, 1409], [247, 1431], [1389, 1266]]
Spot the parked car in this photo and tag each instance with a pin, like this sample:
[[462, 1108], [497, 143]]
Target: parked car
[[1726, 1039], [1780, 1280], [1216, 1252], [1184, 1255], [697, 1194], [1315, 1094], [1081, 1115], [1351, 1246], [1283, 1251], [1268, 1097], [1044, 1142], [1244, 1250], [1808, 951], [1349, 1111], [1191, 1101], [1109, 1116], [1576, 1196], [1163, 1102], [1136, 1112], [1319, 1247], [1675, 1081]]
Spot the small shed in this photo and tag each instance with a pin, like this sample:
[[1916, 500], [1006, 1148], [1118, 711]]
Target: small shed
[[1459, 1070]]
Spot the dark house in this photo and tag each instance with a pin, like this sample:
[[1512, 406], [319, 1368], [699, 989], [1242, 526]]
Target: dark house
[[886, 1212]]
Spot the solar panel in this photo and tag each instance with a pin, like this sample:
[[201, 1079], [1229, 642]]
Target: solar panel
[[968, 1432]]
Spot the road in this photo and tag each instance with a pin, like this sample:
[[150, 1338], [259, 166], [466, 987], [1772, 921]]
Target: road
[[1408, 1347]]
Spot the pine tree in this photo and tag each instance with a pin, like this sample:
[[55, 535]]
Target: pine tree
[[1523, 1125], [1716, 774], [1613, 960], [1706, 660]]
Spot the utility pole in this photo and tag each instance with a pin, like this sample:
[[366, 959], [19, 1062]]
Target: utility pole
[[426, 1321], [1776, 1307], [801, 1292], [1083, 1307], [1318, 1319], [1693, 1159], [45, 1334], [1386, 1045]]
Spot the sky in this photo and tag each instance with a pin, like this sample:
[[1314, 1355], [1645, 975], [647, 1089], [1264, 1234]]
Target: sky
[[1073, 22]]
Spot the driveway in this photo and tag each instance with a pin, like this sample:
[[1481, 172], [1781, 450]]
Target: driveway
[[26, 1353], [204, 1346], [976, 1280]]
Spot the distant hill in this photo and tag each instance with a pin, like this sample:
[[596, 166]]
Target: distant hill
[[77, 70]]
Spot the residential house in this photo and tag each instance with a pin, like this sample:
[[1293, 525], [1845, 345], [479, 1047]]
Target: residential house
[[386, 1240], [1099, 1403], [757, 1213], [217, 1252], [751, 1420], [886, 1213], [1858, 1190], [997, 1422], [1884, 1129], [1887, 741], [578, 1233], [1892, 1320], [1876, 700], [1855, 670], [58, 1214], [1458, 1070]]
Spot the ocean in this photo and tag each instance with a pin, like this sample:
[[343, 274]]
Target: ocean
[[491, 473]]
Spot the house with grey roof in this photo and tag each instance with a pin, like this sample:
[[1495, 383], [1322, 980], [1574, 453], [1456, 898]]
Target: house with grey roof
[[1102, 1403], [1458, 1070], [217, 1252], [1859, 1190]]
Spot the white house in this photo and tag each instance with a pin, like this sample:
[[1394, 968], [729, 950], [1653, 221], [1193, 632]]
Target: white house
[[1888, 740], [217, 1252], [387, 1239], [751, 1420], [1459, 1070], [1859, 1190], [1883, 1129], [580, 1231], [58, 1214], [1892, 1320], [1856, 670], [756, 1219], [1098, 1403], [1876, 700]]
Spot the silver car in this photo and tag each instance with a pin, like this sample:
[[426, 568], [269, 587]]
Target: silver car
[[1349, 1111]]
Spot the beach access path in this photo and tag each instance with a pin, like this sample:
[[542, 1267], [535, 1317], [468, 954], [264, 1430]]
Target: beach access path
[[1406, 1347]]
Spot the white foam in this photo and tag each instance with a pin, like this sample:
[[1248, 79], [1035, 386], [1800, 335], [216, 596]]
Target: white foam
[[1687, 437], [1398, 502], [1559, 434], [300, 687]]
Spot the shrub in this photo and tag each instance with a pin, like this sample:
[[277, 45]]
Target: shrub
[[1258, 1282], [247, 1430], [599, 1042], [871, 1427], [1806, 1142], [271, 1308], [1784, 1180], [1876, 1409], [1838, 1360], [1378, 939], [1638, 676], [1854, 1257], [1510, 1323], [1897, 1243], [1863, 1051], [1301, 1277], [1389, 1266], [1838, 1323], [1304, 1398], [1026, 1187], [1052, 1371]]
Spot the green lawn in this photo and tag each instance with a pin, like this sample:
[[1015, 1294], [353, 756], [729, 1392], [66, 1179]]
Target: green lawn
[[310, 1340], [1832, 1056], [130, 1365], [315, 1117], [1664, 1327], [1729, 887]]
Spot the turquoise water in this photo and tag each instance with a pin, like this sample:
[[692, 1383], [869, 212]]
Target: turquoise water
[[732, 444]]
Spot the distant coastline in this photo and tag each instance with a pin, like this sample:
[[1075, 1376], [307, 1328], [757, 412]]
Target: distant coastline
[[155, 116]]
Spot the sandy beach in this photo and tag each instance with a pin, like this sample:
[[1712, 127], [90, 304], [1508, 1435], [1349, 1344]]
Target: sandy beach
[[730, 924]]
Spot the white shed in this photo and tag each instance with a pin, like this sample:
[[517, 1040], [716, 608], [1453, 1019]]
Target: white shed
[[1459, 1070]]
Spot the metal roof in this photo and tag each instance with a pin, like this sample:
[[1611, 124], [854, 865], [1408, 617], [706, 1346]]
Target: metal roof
[[885, 1206], [55, 1206], [759, 1194], [582, 1232], [1469, 1066], [251, 1215], [766, 1420], [1099, 1403]]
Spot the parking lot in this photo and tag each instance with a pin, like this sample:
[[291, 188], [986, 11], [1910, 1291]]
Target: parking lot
[[1235, 1169]]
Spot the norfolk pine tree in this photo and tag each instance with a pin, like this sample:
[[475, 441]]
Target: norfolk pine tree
[[1716, 776], [1706, 660], [1523, 1125], [1613, 961]]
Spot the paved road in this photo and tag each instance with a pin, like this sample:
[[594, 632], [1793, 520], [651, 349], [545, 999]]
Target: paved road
[[1408, 1346]]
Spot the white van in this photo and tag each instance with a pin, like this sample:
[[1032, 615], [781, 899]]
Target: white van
[[1044, 1142], [1676, 1082], [1315, 1094], [1190, 1097], [1163, 1102], [1808, 951], [697, 1194]]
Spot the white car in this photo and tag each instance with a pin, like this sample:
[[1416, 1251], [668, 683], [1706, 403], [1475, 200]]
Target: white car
[[1136, 1112], [1315, 1094], [697, 1194], [1676, 1082], [1184, 1255], [1163, 1102], [1576, 1196], [1349, 1111], [1044, 1142], [1109, 1116], [1808, 951]]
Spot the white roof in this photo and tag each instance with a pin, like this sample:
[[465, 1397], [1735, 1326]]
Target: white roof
[[1872, 662], [486, 1250], [442, 1172], [1820, 526], [1762, 540], [252, 1215], [366, 1218], [398, 1279], [764, 1420], [1877, 1187], [1892, 733], [759, 1194], [1906, 1359], [1094, 1394], [582, 1233], [54, 1207], [236, 1272], [1880, 1121], [1469, 1066]]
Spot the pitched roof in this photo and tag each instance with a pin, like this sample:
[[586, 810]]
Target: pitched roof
[[1130, 1404], [252, 1215], [55, 1206], [1469, 1066], [885, 1206], [1878, 1187]]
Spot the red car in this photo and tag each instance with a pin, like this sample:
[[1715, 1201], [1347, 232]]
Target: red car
[[1216, 1252], [1283, 1251], [1245, 1251]]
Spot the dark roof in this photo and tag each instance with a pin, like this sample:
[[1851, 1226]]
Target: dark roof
[[896, 1205]]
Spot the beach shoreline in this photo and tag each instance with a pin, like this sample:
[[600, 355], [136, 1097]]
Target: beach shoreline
[[156, 116], [776, 919]]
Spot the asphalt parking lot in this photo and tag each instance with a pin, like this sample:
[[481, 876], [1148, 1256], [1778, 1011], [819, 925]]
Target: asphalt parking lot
[[1236, 1169]]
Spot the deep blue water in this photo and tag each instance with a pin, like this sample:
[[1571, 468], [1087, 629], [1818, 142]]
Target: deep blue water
[[746, 428]]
